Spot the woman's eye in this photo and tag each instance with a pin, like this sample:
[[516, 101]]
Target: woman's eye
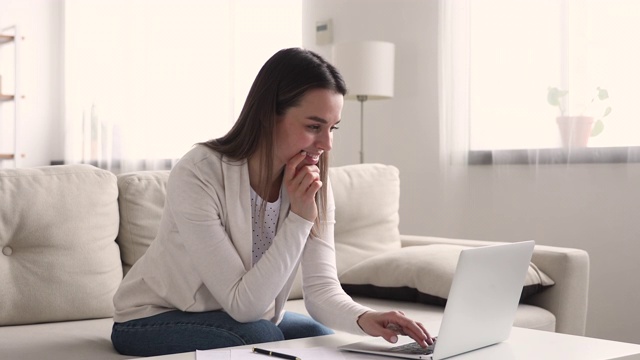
[[317, 128]]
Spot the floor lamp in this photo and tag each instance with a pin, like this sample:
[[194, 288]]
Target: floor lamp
[[368, 70]]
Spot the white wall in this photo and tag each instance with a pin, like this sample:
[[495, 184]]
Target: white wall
[[595, 207]]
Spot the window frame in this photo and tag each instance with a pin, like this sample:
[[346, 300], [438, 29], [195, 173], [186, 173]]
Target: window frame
[[555, 156]]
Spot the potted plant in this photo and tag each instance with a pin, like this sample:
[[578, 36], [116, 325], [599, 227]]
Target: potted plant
[[575, 131]]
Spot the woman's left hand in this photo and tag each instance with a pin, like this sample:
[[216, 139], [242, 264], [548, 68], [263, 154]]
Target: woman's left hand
[[393, 323], [302, 182]]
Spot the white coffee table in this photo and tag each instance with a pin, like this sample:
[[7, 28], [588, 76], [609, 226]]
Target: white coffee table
[[523, 344]]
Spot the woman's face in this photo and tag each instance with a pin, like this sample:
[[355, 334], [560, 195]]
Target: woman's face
[[308, 127]]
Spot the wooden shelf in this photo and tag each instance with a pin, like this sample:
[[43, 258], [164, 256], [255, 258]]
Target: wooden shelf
[[6, 98], [5, 39]]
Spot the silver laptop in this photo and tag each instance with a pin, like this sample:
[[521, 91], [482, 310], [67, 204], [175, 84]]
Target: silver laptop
[[481, 305]]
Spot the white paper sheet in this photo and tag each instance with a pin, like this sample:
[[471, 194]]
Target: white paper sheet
[[316, 353]]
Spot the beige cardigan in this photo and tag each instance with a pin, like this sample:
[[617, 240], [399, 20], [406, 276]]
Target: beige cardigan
[[201, 257]]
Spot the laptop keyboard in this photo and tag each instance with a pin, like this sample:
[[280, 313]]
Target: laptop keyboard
[[414, 348]]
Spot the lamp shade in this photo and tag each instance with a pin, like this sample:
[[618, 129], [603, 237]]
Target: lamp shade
[[367, 68]]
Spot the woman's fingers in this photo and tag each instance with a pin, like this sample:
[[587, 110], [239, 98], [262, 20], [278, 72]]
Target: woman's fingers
[[292, 166], [393, 323], [306, 177], [414, 330], [302, 183], [402, 325]]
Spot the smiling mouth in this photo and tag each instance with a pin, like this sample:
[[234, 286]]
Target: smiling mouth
[[312, 156]]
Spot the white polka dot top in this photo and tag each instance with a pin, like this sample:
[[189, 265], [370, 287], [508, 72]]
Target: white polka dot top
[[264, 233]]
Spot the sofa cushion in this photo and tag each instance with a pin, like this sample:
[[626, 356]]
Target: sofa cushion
[[58, 227], [367, 199], [141, 200], [66, 340], [421, 274]]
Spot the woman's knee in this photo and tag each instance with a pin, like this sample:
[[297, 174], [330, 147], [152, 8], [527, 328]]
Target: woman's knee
[[167, 335], [261, 331], [170, 338], [295, 326]]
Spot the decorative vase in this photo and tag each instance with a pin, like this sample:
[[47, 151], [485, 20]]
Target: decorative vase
[[575, 131]]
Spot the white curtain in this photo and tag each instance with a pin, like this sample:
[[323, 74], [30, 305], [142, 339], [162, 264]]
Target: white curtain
[[146, 79], [500, 58], [454, 83]]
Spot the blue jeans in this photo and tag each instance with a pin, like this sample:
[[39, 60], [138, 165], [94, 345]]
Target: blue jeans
[[177, 331]]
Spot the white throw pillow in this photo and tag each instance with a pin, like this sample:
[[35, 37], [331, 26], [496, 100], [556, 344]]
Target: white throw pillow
[[367, 200], [419, 274], [59, 258], [141, 201]]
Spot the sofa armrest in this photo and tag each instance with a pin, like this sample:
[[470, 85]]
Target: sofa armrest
[[568, 267]]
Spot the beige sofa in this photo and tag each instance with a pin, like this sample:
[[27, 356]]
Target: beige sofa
[[68, 233]]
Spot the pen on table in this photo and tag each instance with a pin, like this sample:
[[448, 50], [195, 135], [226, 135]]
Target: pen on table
[[275, 354]]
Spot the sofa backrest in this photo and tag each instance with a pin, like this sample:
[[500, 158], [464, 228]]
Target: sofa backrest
[[58, 256], [141, 201], [59, 225], [367, 202]]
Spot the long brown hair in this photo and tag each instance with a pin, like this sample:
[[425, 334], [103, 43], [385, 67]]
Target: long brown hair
[[280, 85]]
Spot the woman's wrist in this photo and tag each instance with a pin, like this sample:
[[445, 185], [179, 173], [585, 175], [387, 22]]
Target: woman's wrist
[[358, 320]]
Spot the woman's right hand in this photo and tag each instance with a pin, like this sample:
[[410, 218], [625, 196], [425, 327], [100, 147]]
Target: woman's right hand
[[302, 183], [390, 324]]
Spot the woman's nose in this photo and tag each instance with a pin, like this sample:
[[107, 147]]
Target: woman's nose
[[325, 141]]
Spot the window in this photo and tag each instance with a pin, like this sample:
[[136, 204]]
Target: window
[[518, 49], [146, 79]]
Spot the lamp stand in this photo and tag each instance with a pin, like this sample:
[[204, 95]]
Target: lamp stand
[[362, 99]]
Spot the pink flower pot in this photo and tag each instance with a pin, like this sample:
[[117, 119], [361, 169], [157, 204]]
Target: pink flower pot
[[575, 131]]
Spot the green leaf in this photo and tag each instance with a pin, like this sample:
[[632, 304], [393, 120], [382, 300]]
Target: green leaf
[[607, 111], [597, 128], [554, 95], [603, 94]]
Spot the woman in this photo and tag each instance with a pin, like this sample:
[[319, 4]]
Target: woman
[[242, 213]]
